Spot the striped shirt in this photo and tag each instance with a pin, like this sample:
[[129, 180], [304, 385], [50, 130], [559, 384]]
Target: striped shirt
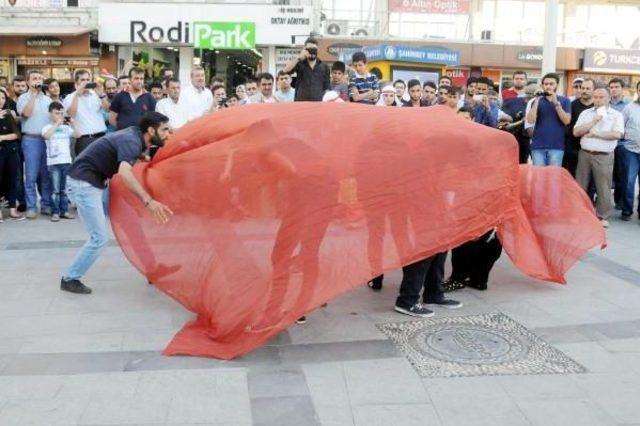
[[364, 83]]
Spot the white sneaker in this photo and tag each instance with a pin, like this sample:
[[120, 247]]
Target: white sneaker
[[605, 223]]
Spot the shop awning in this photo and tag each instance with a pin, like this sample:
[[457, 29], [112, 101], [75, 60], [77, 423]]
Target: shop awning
[[36, 31]]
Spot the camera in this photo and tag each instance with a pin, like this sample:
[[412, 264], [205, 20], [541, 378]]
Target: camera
[[91, 85]]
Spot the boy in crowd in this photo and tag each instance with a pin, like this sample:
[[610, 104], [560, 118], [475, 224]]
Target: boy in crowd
[[363, 87], [57, 135], [337, 80]]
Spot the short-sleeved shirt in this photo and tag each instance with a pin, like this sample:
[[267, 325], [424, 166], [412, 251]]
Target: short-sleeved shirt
[[130, 112], [174, 111], [101, 159], [88, 118], [342, 89], [195, 102], [58, 145], [612, 121], [487, 117], [549, 132], [284, 97], [39, 116], [311, 83], [364, 83], [631, 116]]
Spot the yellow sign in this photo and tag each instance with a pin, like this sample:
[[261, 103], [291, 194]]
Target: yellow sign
[[4, 68]]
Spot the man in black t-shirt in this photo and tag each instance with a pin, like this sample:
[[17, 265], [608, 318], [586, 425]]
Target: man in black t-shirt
[[572, 143], [128, 106], [112, 154], [312, 75]]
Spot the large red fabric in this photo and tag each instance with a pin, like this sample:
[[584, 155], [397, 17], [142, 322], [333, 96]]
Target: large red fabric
[[280, 208]]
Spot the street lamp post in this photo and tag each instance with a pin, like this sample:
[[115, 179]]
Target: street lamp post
[[550, 34]]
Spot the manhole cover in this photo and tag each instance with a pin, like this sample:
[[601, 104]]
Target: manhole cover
[[477, 345]]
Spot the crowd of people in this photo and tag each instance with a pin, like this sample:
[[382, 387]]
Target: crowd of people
[[595, 136]]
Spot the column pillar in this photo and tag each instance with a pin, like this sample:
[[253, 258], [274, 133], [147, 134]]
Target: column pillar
[[549, 48], [186, 61]]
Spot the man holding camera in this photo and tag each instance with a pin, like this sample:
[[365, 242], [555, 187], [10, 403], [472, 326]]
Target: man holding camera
[[550, 114], [33, 107], [85, 107], [312, 79]]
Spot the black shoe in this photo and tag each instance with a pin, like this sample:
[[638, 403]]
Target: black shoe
[[74, 286], [375, 284], [625, 217], [301, 320], [477, 286], [453, 284], [416, 310], [447, 303], [46, 211]]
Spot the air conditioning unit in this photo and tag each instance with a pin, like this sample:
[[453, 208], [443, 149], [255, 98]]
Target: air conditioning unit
[[335, 28], [361, 32]]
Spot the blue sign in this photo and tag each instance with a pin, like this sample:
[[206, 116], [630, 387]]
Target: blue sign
[[428, 55]]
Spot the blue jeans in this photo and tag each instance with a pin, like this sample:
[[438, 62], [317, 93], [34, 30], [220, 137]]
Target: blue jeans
[[58, 174], [631, 162], [88, 200], [547, 157], [35, 165]]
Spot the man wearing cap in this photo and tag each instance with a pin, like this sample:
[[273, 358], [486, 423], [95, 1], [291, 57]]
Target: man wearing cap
[[577, 88]]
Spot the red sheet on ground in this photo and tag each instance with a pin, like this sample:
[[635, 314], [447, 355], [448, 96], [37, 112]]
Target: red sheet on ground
[[280, 208]]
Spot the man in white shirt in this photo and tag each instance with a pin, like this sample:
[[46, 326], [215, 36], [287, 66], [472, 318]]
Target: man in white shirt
[[195, 98], [599, 128], [171, 107], [85, 107], [265, 95]]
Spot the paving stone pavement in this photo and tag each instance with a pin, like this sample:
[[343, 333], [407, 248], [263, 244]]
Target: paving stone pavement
[[70, 360]]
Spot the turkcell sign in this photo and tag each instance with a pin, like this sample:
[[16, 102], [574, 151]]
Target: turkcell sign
[[224, 35]]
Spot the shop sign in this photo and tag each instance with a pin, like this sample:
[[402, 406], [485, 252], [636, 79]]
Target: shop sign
[[458, 76], [32, 4], [45, 62], [448, 7], [531, 56], [173, 24], [224, 35], [342, 50], [43, 42], [284, 55], [429, 55], [612, 60]]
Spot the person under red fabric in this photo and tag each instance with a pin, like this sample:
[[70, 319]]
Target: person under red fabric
[[227, 266]]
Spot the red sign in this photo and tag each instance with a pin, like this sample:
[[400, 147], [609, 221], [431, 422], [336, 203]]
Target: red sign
[[449, 7], [458, 76]]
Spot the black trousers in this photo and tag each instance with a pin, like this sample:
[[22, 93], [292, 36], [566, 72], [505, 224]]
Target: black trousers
[[84, 141], [474, 260], [427, 273], [9, 159], [619, 177]]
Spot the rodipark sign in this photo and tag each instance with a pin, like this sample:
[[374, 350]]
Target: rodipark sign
[[224, 35], [174, 24]]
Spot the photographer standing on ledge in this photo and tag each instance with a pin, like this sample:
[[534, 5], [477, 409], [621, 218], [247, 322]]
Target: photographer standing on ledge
[[33, 107], [312, 79]]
